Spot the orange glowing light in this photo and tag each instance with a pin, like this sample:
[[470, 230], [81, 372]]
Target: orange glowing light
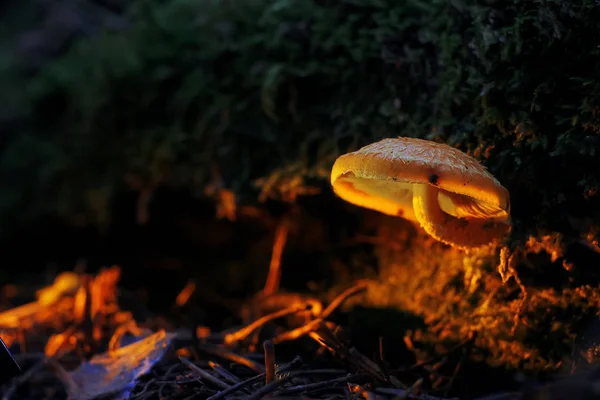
[[184, 296]]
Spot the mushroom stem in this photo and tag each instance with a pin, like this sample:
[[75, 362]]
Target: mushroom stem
[[460, 233]]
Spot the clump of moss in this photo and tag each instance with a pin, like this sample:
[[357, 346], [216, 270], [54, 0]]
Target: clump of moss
[[528, 326], [230, 93]]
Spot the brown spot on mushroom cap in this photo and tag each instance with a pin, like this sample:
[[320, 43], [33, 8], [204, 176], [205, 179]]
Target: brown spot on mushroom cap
[[385, 175], [433, 179]]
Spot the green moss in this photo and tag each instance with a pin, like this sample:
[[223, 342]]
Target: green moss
[[194, 93]]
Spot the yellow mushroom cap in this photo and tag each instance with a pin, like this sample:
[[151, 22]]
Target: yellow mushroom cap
[[382, 176]]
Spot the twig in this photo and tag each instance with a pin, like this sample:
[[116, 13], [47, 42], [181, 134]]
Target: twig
[[271, 387], [274, 277], [231, 356], [243, 333], [456, 372], [269, 350], [186, 293], [315, 323], [318, 385], [255, 379], [214, 380], [238, 387], [298, 332], [224, 373], [365, 364], [358, 287], [438, 357]]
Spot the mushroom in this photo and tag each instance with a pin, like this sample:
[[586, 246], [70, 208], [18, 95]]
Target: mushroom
[[450, 194]]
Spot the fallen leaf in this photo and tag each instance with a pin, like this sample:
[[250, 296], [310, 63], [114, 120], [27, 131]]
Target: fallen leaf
[[116, 373]]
